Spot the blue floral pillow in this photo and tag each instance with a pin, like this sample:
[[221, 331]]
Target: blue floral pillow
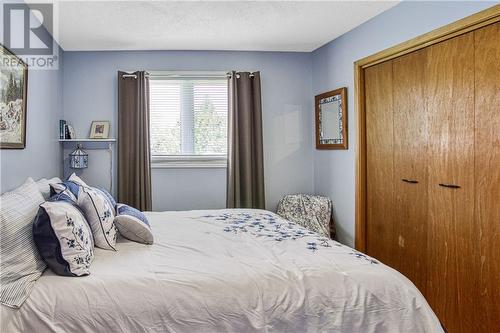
[[63, 237], [133, 224], [68, 188], [98, 211], [109, 197], [97, 207]]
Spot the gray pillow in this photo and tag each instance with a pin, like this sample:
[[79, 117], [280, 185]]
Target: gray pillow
[[21, 264]]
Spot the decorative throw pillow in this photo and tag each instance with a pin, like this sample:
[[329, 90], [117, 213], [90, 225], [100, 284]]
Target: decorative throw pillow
[[71, 187], [63, 237], [68, 188], [110, 199], [20, 264], [44, 186], [133, 224], [97, 208]]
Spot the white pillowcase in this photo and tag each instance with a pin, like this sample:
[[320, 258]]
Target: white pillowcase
[[98, 212], [20, 264], [44, 186], [133, 224], [63, 237]]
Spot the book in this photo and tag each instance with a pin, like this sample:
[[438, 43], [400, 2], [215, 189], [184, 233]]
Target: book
[[71, 132], [62, 129]]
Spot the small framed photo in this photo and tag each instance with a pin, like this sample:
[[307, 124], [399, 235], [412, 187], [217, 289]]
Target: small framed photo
[[99, 129]]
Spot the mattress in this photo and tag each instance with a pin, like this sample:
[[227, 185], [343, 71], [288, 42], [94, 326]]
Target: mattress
[[226, 271]]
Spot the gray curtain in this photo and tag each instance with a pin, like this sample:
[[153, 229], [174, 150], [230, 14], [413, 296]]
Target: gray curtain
[[134, 169], [245, 172]]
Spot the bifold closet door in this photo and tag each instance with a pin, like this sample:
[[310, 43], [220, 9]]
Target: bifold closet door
[[381, 236], [410, 166], [453, 236], [487, 171]]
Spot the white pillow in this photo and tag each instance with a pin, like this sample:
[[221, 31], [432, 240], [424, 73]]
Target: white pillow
[[133, 224], [44, 186], [63, 237], [21, 264], [99, 214]]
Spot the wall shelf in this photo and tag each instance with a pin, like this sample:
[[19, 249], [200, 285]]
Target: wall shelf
[[87, 140]]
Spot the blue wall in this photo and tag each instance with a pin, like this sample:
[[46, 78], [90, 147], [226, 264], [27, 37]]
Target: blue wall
[[90, 93], [289, 82], [334, 171], [42, 155]]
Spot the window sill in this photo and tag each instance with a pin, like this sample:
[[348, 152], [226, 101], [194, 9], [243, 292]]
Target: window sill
[[183, 162]]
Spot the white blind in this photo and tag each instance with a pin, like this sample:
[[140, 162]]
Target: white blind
[[188, 115]]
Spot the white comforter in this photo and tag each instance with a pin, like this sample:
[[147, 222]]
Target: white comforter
[[226, 271]]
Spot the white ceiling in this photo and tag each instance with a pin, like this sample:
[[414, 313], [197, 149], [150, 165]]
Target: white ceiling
[[208, 25]]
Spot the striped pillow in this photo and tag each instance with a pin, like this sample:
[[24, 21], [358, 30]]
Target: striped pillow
[[20, 264]]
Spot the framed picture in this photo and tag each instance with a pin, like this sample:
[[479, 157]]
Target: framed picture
[[331, 119], [13, 100], [99, 129]]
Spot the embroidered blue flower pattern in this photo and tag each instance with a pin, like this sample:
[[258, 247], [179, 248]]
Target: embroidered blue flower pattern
[[79, 241], [363, 256], [274, 227], [69, 221], [106, 214], [71, 243], [269, 226]]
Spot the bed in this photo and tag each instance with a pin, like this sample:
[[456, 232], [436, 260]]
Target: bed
[[226, 271]]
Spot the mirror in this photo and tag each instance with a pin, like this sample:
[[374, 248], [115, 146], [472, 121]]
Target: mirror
[[331, 119]]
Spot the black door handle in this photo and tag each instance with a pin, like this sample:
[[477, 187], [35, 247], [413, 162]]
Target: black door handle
[[449, 185], [411, 181]]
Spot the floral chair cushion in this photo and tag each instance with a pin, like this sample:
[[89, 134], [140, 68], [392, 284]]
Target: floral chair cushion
[[63, 237], [312, 212]]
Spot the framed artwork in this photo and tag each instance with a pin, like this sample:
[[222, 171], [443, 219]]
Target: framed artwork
[[13, 100], [331, 119], [99, 129]]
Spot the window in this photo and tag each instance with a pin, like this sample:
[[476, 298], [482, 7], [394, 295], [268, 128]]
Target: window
[[188, 119]]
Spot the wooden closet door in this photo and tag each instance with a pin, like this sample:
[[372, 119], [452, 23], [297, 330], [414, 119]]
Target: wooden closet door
[[452, 234], [381, 239], [410, 166], [487, 168]]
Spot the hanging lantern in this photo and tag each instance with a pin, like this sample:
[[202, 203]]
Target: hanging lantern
[[79, 158]]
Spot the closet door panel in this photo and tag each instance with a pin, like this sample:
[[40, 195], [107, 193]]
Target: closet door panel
[[381, 235], [487, 167], [452, 235], [410, 166]]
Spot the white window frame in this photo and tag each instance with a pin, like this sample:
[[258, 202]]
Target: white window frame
[[188, 161]]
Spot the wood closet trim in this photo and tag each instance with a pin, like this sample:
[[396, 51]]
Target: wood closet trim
[[467, 24]]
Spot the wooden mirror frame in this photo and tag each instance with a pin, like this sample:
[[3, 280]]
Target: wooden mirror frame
[[343, 95]]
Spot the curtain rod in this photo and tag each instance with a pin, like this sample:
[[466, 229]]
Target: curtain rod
[[238, 74], [134, 76]]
